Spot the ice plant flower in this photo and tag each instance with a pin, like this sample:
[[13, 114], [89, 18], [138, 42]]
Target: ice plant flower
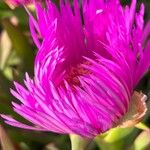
[[88, 63]]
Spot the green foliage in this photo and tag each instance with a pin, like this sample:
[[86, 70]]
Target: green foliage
[[20, 44]]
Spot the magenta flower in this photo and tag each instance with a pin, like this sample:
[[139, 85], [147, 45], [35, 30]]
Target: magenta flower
[[86, 67]]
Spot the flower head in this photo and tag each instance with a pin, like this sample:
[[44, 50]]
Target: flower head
[[87, 66]]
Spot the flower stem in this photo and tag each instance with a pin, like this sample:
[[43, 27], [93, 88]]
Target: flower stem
[[78, 142]]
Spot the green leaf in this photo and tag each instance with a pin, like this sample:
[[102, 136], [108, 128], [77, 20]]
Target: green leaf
[[5, 49], [108, 146], [142, 126], [22, 16], [113, 139], [142, 142], [117, 134], [20, 44], [5, 11], [5, 84]]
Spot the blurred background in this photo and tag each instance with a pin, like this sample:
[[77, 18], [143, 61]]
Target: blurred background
[[17, 53]]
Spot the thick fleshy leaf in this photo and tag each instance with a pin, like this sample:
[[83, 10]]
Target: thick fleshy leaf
[[20, 44], [4, 86], [142, 142], [117, 134], [4, 11], [4, 49]]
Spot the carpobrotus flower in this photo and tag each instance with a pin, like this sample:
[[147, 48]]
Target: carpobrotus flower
[[87, 66]]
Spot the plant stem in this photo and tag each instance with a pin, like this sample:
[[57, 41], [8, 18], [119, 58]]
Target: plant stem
[[78, 142]]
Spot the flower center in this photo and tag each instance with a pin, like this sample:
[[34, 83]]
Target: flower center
[[75, 72]]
